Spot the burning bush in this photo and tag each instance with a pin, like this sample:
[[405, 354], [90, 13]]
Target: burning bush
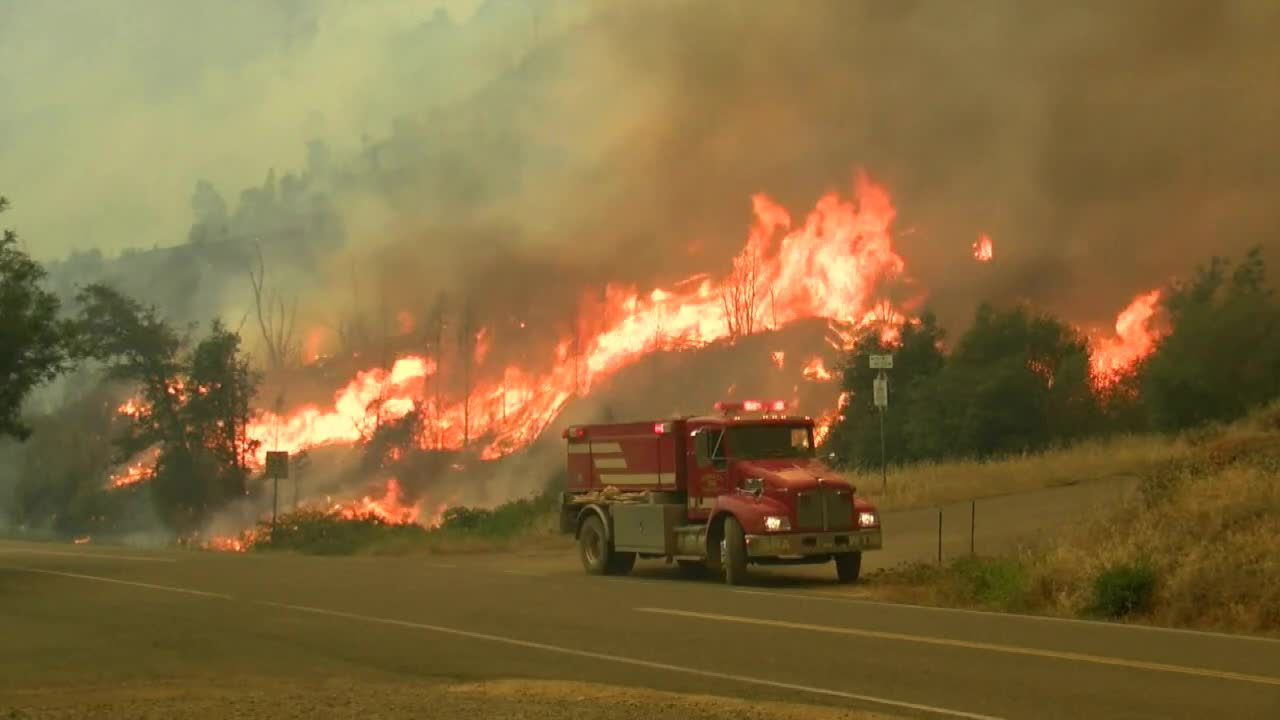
[[320, 532]]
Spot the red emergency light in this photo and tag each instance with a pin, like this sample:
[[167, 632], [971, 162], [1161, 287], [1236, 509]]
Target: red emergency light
[[751, 406]]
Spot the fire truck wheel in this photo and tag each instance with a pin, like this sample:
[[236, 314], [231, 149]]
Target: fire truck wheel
[[593, 546], [621, 563], [733, 552], [848, 567]]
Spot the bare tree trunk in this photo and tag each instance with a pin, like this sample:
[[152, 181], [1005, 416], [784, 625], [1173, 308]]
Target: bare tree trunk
[[466, 350], [276, 321]]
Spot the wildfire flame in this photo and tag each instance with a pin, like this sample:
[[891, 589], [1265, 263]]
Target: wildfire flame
[[815, 369], [983, 249], [829, 266], [141, 467], [390, 508], [778, 357], [1135, 337]]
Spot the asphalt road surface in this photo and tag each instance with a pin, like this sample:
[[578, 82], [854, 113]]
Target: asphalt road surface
[[76, 621]]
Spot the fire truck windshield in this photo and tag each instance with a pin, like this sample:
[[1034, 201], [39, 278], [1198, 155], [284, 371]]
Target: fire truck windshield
[[758, 442]]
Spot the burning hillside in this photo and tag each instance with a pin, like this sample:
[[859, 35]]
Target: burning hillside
[[828, 266]]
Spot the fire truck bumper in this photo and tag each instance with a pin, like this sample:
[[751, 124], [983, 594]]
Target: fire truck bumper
[[802, 544]]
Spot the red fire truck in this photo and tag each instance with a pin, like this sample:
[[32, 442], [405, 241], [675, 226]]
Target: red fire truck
[[712, 493]]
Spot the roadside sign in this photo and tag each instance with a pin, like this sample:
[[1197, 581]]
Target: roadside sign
[[881, 362], [277, 464], [881, 392]]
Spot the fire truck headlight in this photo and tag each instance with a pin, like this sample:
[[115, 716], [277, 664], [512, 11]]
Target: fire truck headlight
[[868, 519], [777, 523]]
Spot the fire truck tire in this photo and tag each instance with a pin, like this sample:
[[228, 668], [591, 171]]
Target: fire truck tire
[[848, 567], [593, 546], [620, 563], [733, 553]]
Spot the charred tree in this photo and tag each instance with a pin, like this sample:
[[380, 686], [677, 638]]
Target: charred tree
[[740, 297], [466, 362], [276, 318]]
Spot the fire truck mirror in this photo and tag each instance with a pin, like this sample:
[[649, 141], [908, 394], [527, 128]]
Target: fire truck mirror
[[754, 486]]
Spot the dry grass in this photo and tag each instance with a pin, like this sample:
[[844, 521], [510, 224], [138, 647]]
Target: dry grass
[[1205, 527], [932, 484]]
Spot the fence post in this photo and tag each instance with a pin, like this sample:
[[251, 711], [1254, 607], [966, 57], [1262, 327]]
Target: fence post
[[939, 536], [973, 514]]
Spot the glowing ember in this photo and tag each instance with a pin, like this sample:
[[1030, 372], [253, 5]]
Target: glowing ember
[[82, 540], [314, 342], [405, 322], [1111, 358], [815, 369], [141, 467], [778, 357], [829, 266], [133, 407], [983, 250]]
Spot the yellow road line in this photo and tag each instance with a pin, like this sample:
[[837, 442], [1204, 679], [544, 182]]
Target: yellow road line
[[970, 645]]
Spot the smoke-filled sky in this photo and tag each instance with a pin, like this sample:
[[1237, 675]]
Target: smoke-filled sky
[[1104, 146]]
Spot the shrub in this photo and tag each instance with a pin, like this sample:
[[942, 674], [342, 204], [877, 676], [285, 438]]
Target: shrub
[[1123, 590], [1002, 583]]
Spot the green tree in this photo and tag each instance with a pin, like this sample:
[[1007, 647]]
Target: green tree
[[1221, 357], [195, 403], [32, 338], [917, 356], [1018, 380]]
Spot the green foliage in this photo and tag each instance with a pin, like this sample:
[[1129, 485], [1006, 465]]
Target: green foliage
[[856, 438], [317, 532], [1123, 590], [506, 520], [1002, 583], [1221, 358], [1017, 381], [32, 339], [197, 401]]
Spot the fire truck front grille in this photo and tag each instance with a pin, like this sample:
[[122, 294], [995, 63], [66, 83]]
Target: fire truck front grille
[[824, 508]]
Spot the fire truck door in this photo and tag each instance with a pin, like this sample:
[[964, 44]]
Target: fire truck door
[[708, 472]]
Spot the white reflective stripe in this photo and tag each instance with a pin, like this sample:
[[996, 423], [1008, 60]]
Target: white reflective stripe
[[630, 479], [605, 447], [579, 449], [611, 463]]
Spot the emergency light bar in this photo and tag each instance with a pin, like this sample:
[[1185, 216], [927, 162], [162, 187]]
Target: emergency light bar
[[751, 406]]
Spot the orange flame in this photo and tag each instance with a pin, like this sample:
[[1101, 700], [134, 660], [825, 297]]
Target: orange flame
[[829, 266], [133, 407], [140, 467], [1112, 357], [389, 508], [983, 249], [816, 369], [778, 357]]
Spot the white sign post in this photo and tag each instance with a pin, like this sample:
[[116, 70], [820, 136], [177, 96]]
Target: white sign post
[[880, 397]]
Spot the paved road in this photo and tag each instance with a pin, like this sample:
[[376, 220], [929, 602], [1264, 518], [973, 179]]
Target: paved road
[[78, 616]]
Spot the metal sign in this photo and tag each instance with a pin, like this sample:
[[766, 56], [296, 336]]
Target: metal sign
[[881, 362], [881, 392], [277, 464]]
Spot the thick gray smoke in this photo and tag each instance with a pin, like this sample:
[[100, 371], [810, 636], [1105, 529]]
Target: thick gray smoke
[[1105, 147]]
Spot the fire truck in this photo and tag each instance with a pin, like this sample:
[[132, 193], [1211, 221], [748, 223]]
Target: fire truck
[[712, 493]]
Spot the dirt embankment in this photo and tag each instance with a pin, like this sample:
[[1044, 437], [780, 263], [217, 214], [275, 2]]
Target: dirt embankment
[[1197, 546]]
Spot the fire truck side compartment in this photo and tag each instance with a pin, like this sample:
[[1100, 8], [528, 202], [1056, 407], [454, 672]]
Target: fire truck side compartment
[[646, 528]]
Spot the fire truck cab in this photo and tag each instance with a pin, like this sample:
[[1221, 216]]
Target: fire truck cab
[[712, 493]]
